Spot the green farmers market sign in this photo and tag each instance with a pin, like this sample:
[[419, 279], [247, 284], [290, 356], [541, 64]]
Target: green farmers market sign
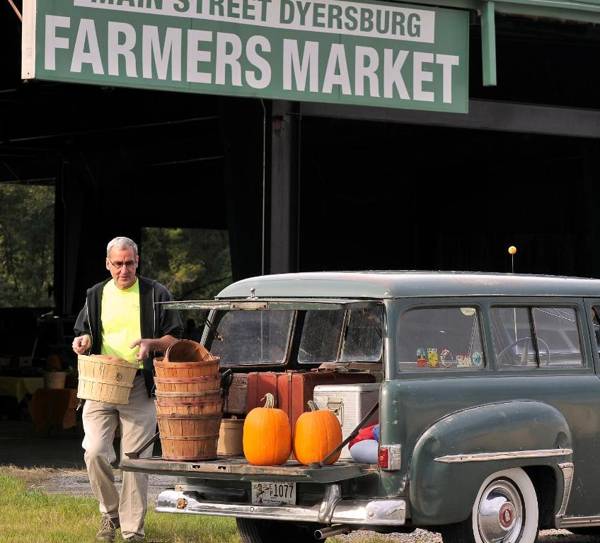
[[339, 51]]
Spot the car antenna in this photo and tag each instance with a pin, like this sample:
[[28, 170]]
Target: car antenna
[[512, 251]]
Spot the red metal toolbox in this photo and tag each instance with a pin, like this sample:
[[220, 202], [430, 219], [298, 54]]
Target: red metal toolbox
[[293, 389], [258, 384]]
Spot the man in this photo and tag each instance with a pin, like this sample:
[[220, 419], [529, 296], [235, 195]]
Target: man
[[117, 314]]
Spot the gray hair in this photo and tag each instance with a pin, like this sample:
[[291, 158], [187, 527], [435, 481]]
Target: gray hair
[[121, 242]]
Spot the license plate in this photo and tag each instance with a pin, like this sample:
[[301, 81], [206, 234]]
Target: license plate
[[273, 493]]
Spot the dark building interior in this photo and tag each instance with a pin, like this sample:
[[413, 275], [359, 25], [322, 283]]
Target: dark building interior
[[387, 192], [451, 199]]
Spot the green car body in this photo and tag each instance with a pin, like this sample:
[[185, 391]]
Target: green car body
[[463, 435]]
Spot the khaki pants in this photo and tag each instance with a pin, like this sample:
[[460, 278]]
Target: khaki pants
[[138, 424]]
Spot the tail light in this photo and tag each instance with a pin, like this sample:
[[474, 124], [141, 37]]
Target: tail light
[[390, 457]]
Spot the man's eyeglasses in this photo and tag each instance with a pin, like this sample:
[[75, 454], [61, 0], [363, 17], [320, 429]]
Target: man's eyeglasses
[[118, 265]]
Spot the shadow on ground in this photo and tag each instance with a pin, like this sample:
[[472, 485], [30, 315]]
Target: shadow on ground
[[61, 456], [21, 446]]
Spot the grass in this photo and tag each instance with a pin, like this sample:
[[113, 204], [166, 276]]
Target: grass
[[30, 515]]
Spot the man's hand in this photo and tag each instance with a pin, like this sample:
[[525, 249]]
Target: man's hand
[[148, 346], [82, 344]]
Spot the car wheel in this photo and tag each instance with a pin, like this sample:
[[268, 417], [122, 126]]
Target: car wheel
[[505, 511], [268, 531]]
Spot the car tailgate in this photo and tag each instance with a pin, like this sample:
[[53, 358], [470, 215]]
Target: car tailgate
[[238, 468]]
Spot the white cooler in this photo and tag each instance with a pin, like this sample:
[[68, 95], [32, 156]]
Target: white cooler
[[350, 403]]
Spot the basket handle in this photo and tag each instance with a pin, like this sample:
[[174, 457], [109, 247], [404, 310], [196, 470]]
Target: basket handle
[[136, 454]]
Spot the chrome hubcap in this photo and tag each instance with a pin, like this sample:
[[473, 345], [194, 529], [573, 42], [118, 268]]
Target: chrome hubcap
[[500, 513]]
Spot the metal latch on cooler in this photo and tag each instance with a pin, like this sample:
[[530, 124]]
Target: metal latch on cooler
[[337, 406]]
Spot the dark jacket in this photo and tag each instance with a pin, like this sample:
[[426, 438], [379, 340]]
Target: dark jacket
[[155, 321]]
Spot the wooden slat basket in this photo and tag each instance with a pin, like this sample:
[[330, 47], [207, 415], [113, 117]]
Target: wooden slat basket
[[189, 437], [165, 369], [105, 378], [204, 383], [189, 401], [184, 403], [186, 350]]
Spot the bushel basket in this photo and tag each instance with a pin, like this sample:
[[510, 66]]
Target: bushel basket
[[189, 437], [165, 369], [186, 350], [189, 401], [105, 378], [204, 383], [183, 403]]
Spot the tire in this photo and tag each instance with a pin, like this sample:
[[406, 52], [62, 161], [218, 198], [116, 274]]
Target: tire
[[270, 531], [510, 501]]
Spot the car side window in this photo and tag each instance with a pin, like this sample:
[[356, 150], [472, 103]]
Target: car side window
[[536, 337], [512, 336], [596, 325], [440, 338]]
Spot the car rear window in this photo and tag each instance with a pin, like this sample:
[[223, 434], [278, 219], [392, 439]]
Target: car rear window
[[252, 337], [345, 335]]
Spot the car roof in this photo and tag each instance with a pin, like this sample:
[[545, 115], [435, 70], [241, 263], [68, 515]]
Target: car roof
[[399, 284]]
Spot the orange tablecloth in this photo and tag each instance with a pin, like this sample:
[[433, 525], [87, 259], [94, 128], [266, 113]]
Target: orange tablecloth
[[54, 409]]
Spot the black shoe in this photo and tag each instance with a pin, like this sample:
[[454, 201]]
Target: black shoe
[[108, 527]]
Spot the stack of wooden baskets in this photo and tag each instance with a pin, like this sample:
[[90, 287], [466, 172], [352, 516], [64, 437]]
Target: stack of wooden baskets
[[188, 402]]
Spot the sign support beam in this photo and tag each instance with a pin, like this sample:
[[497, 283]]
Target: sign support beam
[[488, 43], [283, 228]]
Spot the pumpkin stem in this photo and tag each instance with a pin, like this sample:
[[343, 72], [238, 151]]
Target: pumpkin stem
[[312, 405], [270, 400]]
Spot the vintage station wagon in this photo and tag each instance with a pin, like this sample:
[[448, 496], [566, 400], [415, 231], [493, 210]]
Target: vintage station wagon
[[489, 404]]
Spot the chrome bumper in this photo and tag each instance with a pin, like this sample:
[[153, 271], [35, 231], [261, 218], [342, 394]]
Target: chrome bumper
[[332, 510]]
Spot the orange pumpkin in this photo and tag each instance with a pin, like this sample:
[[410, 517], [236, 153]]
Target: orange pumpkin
[[267, 435], [317, 433]]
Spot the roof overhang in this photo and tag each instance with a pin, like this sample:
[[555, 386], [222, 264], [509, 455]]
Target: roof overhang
[[564, 10], [561, 10]]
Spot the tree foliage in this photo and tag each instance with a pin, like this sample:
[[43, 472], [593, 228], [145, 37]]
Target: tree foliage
[[191, 263], [26, 245]]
